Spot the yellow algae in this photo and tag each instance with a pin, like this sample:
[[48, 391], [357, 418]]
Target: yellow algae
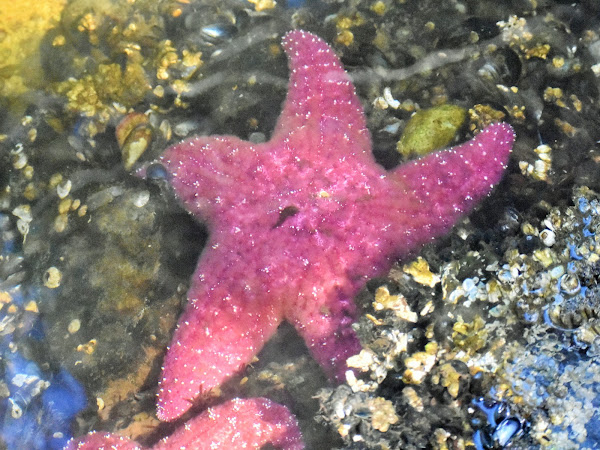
[[93, 95], [31, 306], [449, 377], [5, 297], [89, 347], [384, 414], [22, 28], [396, 303], [539, 51], [363, 360], [418, 366], [554, 95], [263, 5], [470, 337], [343, 25], [419, 269], [345, 37], [52, 278], [566, 127], [413, 399], [481, 116], [379, 8]]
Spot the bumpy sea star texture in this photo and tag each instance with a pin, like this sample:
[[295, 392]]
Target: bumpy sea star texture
[[299, 223], [237, 424]]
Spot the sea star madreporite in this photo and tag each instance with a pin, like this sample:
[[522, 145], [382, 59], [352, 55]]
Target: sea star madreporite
[[299, 223]]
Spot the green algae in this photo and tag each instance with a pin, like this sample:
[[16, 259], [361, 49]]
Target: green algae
[[430, 129]]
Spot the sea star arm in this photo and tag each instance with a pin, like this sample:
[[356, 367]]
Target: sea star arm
[[443, 186], [321, 95], [210, 174], [237, 424], [428, 196], [99, 440], [326, 327], [228, 319]]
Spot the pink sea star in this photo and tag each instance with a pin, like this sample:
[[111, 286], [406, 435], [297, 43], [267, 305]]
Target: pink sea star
[[299, 223], [236, 424]]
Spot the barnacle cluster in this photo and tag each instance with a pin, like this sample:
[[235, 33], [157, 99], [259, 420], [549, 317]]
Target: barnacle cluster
[[30, 392], [121, 56], [517, 332]]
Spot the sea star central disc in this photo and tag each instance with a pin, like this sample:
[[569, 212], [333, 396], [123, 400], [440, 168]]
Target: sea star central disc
[[299, 223]]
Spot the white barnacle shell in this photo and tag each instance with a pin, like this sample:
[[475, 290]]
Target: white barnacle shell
[[548, 237]]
